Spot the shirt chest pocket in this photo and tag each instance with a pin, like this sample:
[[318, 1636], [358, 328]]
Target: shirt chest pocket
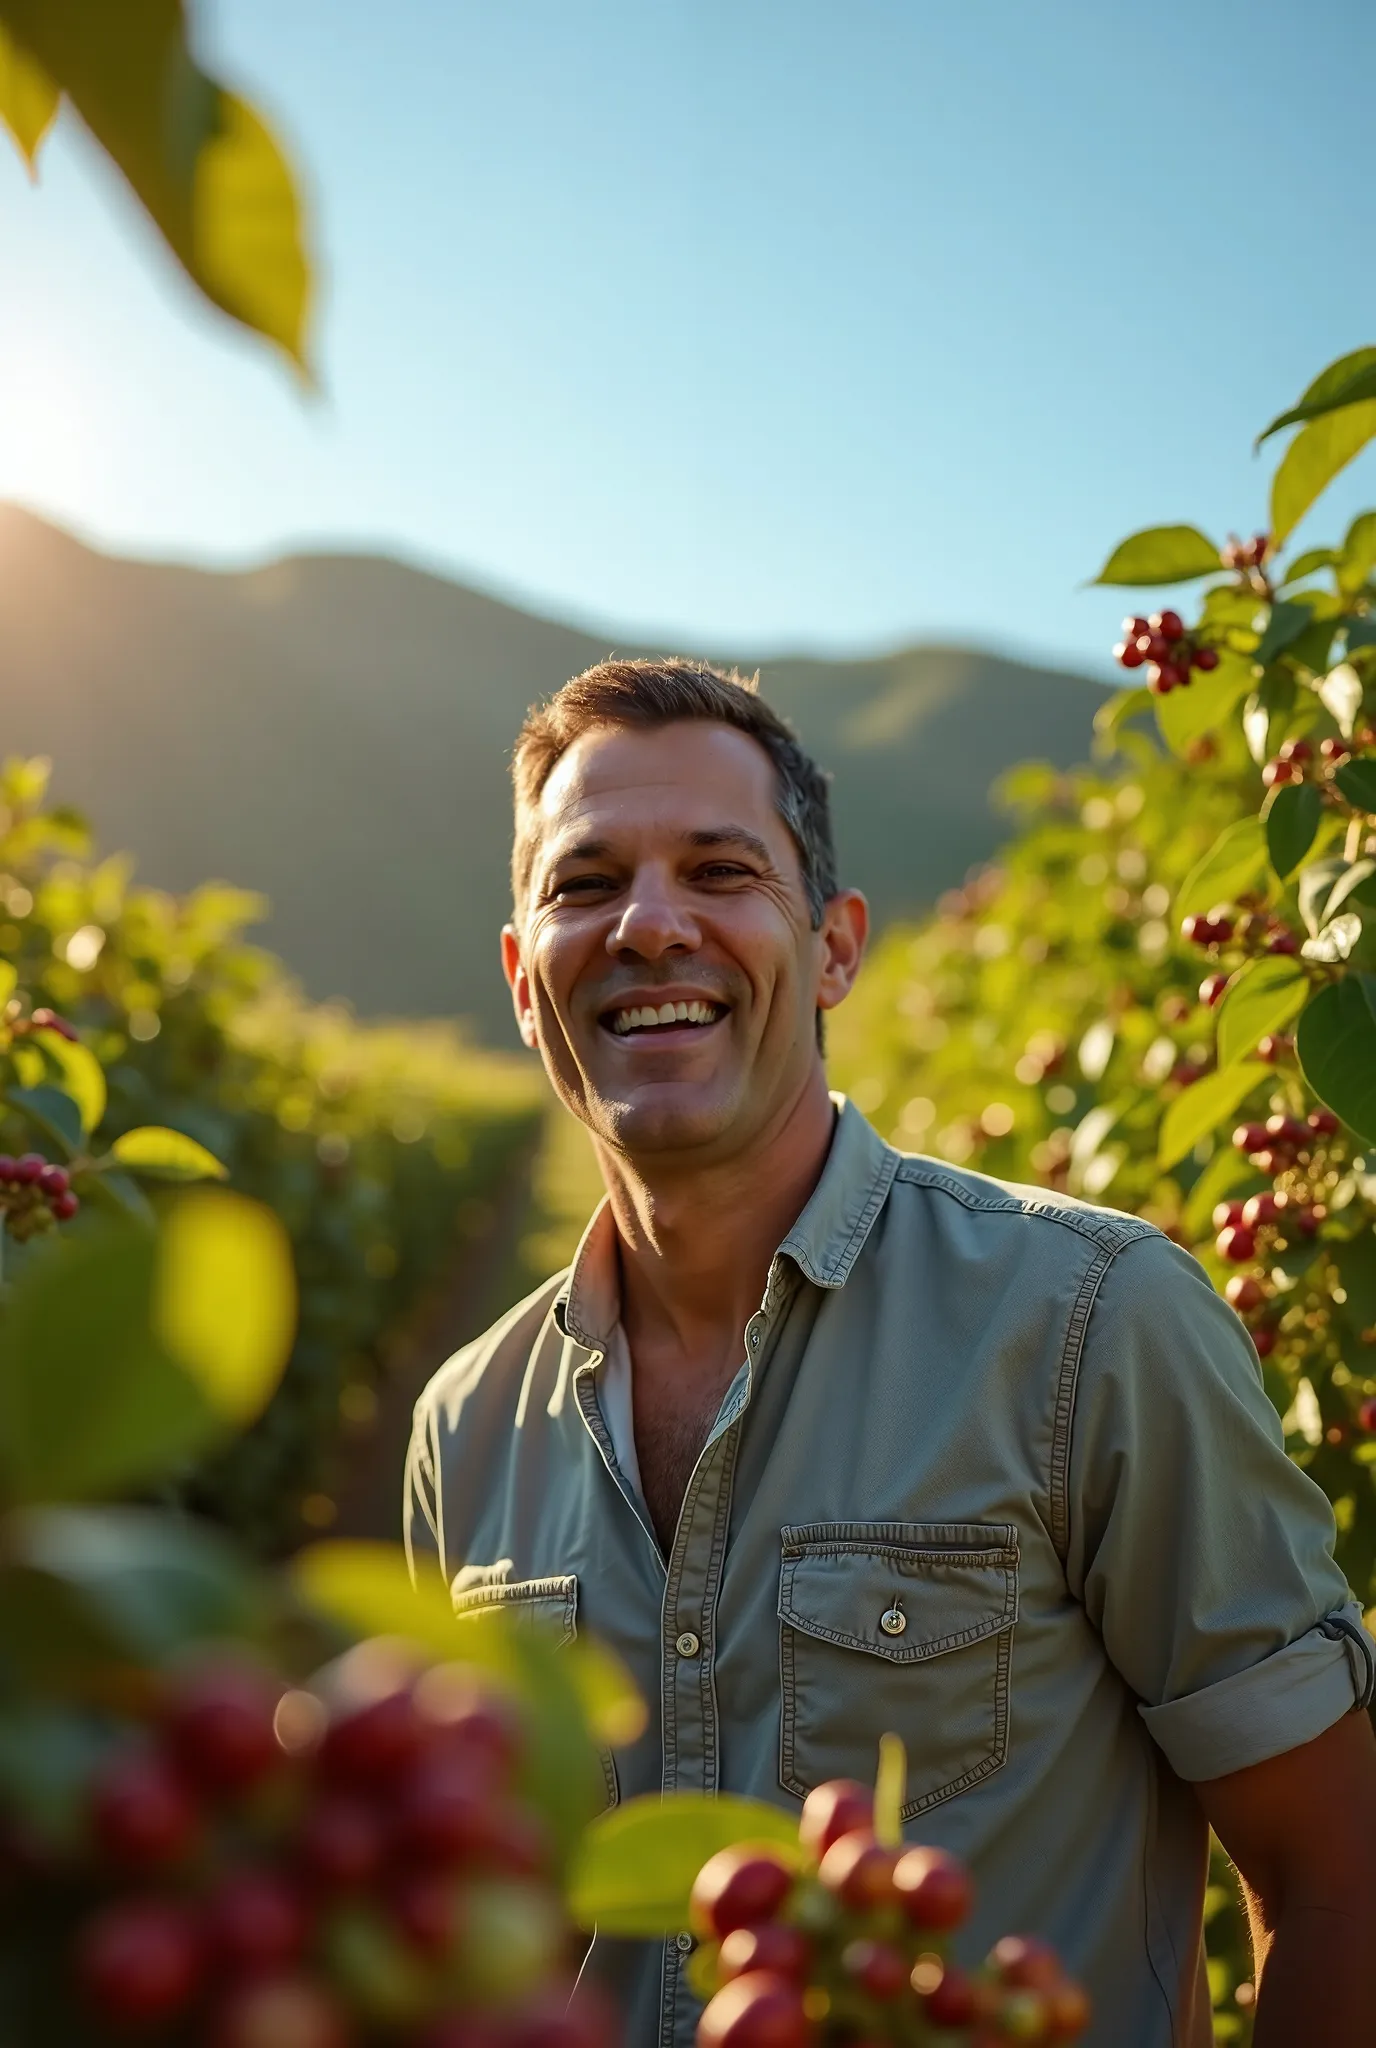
[[902, 1626]]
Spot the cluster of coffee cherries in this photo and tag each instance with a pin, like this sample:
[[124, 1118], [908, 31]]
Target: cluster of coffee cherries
[[1299, 761], [269, 1873], [1167, 650], [851, 1947], [34, 1194], [1288, 1151], [1245, 554], [1249, 931]]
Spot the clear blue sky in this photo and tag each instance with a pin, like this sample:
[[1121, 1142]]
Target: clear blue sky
[[830, 323]]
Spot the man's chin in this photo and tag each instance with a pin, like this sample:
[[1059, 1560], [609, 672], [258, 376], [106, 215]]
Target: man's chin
[[661, 1119]]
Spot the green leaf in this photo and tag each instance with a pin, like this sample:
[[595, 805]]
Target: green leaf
[[1234, 863], [79, 1074], [1161, 554], [1123, 704], [52, 1113], [1356, 1263], [1357, 781], [366, 1589], [1346, 381], [1186, 715], [224, 1299], [1286, 623], [201, 162], [635, 1869], [90, 1403], [163, 1154], [1204, 1106], [1310, 563], [1292, 819], [1341, 693], [890, 1791], [28, 98], [1336, 1043], [1313, 459], [1358, 557], [1265, 997]]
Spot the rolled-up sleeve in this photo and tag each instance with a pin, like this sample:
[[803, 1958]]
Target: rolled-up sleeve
[[1200, 1552]]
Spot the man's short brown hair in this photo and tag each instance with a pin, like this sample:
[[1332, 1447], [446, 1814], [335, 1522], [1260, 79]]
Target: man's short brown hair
[[665, 692]]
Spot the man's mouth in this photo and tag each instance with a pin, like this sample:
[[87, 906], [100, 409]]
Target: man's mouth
[[625, 1023]]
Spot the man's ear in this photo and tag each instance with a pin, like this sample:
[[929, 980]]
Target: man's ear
[[845, 928], [518, 982]]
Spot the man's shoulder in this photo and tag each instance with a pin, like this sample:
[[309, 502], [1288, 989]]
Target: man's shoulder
[[497, 1360], [1004, 1209]]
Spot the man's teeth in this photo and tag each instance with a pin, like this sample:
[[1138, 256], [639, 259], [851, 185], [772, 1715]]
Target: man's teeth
[[667, 1013]]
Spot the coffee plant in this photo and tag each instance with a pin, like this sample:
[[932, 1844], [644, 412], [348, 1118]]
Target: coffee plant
[[380, 1147], [1163, 996]]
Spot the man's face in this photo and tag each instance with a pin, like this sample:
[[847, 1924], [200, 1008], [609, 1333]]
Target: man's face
[[666, 966]]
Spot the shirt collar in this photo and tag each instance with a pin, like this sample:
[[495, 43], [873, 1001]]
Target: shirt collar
[[824, 1242]]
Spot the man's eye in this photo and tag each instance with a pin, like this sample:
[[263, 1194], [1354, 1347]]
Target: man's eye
[[722, 871], [581, 885]]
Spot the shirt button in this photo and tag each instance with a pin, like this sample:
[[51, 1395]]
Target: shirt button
[[893, 1620], [683, 1943], [687, 1644]]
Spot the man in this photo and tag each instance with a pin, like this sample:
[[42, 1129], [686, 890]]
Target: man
[[825, 1439]]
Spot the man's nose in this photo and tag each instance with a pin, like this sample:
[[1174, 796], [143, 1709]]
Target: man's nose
[[655, 920]]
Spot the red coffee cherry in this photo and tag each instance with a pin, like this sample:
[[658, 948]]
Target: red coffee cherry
[[1206, 658], [1068, 2010], [1169, 625], [1251, 1138], [1236, 1244], [1334, 750], [786, 1951], [859, 1871], [374, 1745], [444, 1811], [1366, 1415], [283, 2012], [1287, 1131], [738, 1887], [840, 1807], [1134, 627], [28, 1169], [877, 1967], [1259, 1210], [1277, 1045], [1128, 654], [1265, 1342], [1025, 1963], [64, 1207], [1244, 1292], [53, 1180], [219, 1726], [1213, 989], [256, 1923], [934, 1889], [342, 1843], [480, 1733], [1322, 1122], [139, 1961], [142, 1815], [427, 1907], [1226, 1213], [1297, 750], [759, 2010], [954, 2003], [1278, 772], [1283, 941]]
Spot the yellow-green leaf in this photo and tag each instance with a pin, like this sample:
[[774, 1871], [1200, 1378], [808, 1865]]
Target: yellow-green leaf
[[890, 1791], [1313, 459], [1161, 554], [1344, 382], [1235, 862], [163, 1154], [28, 98], [80, 1073], [1267, 995], [201, 163], [366, 1589], [224, 1299], [9, 979], [636, 1866], [1203, 1106], [1204, 703]]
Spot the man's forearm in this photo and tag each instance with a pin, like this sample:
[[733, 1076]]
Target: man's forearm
[[1316, 1982]]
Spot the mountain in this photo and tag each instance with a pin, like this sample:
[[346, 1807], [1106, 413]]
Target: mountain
[[334, 730]]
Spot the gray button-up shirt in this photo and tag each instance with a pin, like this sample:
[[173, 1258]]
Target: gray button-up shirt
[[997, 1472]]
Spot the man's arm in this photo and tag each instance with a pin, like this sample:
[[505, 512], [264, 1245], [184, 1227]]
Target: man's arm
[[1301, 1829]]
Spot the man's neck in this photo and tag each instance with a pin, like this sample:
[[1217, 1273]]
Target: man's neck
[[696, 1243]]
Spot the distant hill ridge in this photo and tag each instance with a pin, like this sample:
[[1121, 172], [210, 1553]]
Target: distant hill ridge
[[334, 730]]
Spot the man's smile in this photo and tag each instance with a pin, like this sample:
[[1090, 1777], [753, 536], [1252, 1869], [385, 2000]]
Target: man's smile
[[670, 1017]]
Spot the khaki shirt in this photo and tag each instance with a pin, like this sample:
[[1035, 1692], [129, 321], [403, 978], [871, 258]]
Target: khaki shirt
[[997, 1472]]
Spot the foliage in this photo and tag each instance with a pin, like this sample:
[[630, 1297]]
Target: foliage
[[378, 1146], [202, 163], [1049, 1022]]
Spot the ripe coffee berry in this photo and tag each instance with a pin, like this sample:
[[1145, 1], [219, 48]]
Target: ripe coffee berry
[[1297, 750], [1245, 1292], [255, 1923], [65, 1206], [1236, 1244], [954, 2003], [1278, 772], [1128, 654], [1277, 1045], [738, 1887], [1265, 1342], [759, 2010], [53, 1180], [876, 1966], [1260, 1209], [840, 1807], [1213, 988], [858, 1871], [784, 1950], [142, 1815], [1025, 1963], [1366, 1415], [28, 1169], [374, 1745], [1334, 750], [934, 1889], [1226, 1213], [342, 1843], [1322, 1122], [1205, 658], [283, 2012], [1283, 941], [1169, 625], [139, 1962], [219, 1725]]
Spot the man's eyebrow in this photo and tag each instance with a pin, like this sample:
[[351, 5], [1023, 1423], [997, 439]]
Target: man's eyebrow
[[732, 835]]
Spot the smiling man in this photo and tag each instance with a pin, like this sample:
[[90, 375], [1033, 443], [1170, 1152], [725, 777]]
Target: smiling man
[[826, 1439]]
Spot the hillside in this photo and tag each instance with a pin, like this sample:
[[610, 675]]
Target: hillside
[[333, 730]]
